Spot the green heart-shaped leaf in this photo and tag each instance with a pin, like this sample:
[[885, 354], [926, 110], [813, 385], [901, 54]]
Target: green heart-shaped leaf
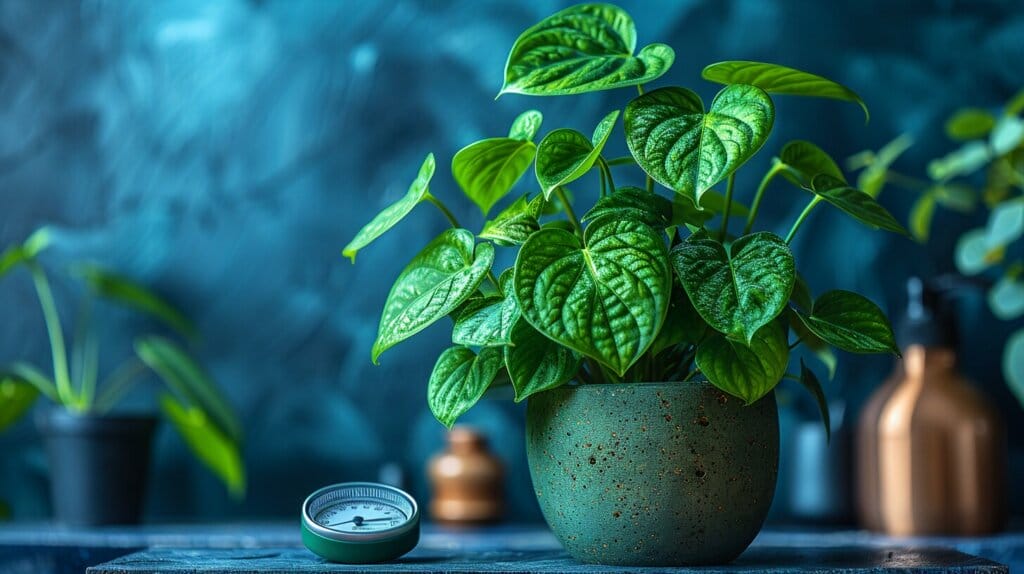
[[565, 155], [393, 213], [487, 170], [633, 203], [856, 204], [851, 322], [776, 79], [746, 371], [526, 126], [536, 363], [813, 386], [683, 148], [217, 451], [435, 282], [514, 224], [807, 160], [460, 377], [606, 299], [584, 48], [739, 291], [488, 321]]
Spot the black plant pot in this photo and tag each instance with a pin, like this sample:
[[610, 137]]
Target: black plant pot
[[98, 466]]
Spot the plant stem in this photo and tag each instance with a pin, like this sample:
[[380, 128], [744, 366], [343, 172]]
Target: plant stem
[[604, 183], [640, 88], [596, 374], [118, 384], [568, 209], [607, 173], [800, 220], [650, 184], [624, 160], [57, 349], [794, 344], [493, 280], [444, 209], [728, 207], [777, 168]]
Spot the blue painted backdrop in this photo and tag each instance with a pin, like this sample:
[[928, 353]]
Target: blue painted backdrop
[[225, 151]]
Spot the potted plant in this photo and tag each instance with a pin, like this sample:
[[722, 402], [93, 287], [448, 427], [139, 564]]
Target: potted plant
[[99, 460], [646, 336]]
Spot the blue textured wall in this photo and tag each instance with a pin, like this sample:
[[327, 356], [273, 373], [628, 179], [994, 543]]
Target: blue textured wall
[[225, 152]]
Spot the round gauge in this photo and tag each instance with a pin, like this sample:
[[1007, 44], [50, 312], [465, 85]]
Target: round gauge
[[360, 522]]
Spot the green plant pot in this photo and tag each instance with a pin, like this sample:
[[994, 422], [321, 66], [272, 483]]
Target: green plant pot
[[652, 474]]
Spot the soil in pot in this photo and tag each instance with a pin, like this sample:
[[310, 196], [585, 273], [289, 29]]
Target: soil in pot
[[652, 474], [99, 466]]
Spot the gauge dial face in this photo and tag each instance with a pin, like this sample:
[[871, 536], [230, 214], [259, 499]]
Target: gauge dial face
[[361, 516], [360, 511]]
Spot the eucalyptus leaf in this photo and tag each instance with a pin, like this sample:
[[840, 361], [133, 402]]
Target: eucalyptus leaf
[[688, 150], [526, 125], [584, 48], [851, 322], [488, 169], [134, 295], [969, 124], [460, 377], [395, 212], [565, 155], [856, 204], [740, 290], [873, 178], [1005, 224], [514, 224], [973, 254], [1006, 135], [606, 298], [1006, 298], [1013, 364], [443, 275], [958, 197], [16, 397], [776, 79], [748, 371], [536, 363], [811, 383], [635, 203], [217, 451], [805, 161], [964, 161]]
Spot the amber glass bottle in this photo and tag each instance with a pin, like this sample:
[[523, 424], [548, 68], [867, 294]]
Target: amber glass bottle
[[468, 481]]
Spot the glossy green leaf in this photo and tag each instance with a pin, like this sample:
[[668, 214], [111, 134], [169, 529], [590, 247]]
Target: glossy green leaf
[[189, 381], [395, 212], [565, 155], [1006, 135], [802, 293], [634, 203], [921, 216], [536, 363], [20, 253], [819, 348], [776, 79], [1005, 223], [851, 322], [745, 371], [488, 169], [682, 323], [443, 275], [740, 290], [479, 323], [686, 212], [460, 377], [973, 253], [810, 382], [687, 150], [16, 397], [217, 451], [964, 161], [856, 204], [526, 125], [873, 178], [805, 161], [970, 123], [1013, 364], [714, 202], [1006, 298], [514, 224], [606, 298], [134, 295], [584, 48]]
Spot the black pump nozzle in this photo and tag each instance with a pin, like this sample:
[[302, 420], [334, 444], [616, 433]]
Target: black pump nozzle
[[929, 319]]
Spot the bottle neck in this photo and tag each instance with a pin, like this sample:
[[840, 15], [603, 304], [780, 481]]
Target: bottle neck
[[919, 359]]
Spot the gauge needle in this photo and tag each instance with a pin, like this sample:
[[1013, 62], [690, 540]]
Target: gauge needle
[[359, 520]]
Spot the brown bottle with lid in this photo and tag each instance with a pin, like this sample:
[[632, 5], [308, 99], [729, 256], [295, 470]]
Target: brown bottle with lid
[[931, 449], [468, 480]]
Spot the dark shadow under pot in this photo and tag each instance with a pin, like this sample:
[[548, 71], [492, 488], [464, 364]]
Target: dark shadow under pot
[[99, 466]]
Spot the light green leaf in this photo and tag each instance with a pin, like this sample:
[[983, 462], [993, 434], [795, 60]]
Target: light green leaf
[[189, 381], [873, 178], [958, 197], [1006, 135], [807, 160], [856, 204], [135, 296], [217, 451], [565, 155], [964, 161], [395, 212], [606, 299], [921, 216], [683, 148], [526, 126], [745, 371], [1006, 298], [584, 48], [634, 203], [488, 169], [459, 379], [776, 79], [851, 322], [970, 123], [973, 253], [20, 253], [819, 348], [443, 275], [811, 383], [1016, 104], [536, 363], [739, 291], [1005, 224], [16, 397], [514, 224], [1013, 364]]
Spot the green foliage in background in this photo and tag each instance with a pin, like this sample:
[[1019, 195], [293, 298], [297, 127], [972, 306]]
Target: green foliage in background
[[649, 284], [192, 402]]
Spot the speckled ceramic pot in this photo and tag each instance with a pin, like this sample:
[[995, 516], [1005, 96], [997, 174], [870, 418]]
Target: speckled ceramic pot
[[652, 474]]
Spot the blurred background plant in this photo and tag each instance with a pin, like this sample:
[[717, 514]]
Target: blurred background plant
[[986, 169], [190, 401]]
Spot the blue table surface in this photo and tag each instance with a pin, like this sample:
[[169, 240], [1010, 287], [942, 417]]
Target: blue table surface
[[276, 547]]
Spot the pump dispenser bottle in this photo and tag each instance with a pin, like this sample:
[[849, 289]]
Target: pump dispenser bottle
[[931, 452]]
